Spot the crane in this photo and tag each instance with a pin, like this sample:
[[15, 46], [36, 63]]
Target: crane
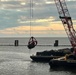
[[66, 21]]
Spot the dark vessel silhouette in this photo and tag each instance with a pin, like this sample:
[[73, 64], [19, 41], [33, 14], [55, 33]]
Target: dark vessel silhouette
[[46, 56]]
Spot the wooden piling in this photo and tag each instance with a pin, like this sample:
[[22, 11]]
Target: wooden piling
[[56, 43], [16, 43]]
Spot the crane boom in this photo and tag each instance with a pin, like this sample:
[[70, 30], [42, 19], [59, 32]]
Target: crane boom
[[66, 21]]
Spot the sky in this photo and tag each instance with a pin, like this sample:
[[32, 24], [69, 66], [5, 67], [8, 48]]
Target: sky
[[15, 18]]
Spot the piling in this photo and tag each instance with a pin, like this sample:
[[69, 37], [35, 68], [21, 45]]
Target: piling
[[56, 43], [16, 43]]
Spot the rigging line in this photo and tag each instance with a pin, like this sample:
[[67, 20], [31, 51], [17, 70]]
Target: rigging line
[[32, 8], [31, 16]]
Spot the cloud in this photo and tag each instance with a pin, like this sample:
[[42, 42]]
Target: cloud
[[52, 27], [15, 17]]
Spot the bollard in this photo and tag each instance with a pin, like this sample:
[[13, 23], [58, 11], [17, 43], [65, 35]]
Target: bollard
[[16, 43], [56, 43]]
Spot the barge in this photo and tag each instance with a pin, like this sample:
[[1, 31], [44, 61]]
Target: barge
[[46, 56], [68, 61]]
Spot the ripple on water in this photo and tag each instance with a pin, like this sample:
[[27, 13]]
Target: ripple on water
[[14, 68]]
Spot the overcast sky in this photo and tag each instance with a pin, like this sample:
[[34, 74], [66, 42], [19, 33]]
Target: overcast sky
[[45, 22]]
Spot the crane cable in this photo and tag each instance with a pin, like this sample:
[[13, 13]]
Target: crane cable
[[31, 16]]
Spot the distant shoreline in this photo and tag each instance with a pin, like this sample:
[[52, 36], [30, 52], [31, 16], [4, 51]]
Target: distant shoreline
[[35, 37]]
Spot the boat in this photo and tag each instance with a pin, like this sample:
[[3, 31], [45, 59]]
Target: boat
[[68, 61], [46, 56]]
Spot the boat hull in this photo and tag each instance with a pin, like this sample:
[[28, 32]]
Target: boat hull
[[62, 63], [43, 58]]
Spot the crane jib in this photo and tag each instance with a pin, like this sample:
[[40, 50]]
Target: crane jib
[[66, 21]]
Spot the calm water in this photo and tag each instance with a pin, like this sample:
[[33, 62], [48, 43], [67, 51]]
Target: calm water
[[16, 60]]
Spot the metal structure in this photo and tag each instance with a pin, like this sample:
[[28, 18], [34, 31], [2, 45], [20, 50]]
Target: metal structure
[[66, 21]]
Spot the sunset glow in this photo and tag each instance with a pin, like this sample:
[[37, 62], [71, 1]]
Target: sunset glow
[[15, 18]]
